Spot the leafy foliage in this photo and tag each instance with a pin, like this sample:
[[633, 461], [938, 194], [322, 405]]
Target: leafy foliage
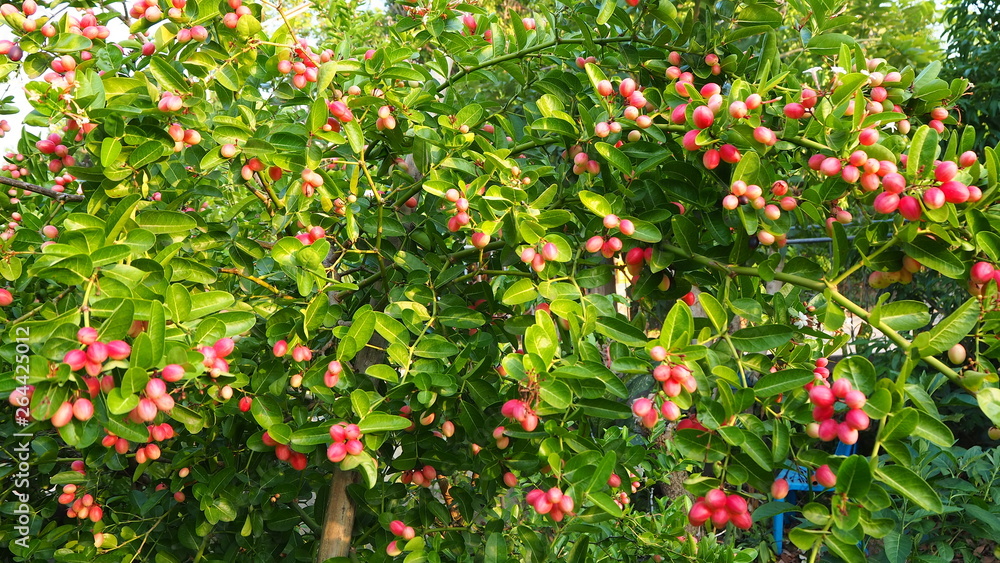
[[457, 272]]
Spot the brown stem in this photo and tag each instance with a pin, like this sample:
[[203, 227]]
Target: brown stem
[[58, 196], [339, 521]]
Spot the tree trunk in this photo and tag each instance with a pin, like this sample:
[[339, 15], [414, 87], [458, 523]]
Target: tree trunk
[[339, 521]]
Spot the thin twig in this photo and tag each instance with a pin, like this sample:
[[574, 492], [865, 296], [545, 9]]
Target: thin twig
[[58, 196]]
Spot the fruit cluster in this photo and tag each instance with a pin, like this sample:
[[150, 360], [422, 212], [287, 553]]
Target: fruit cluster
[[721, 509], [824, 399], [460, 215], [95, 353], [214, 356], [423, 477], [401, 530], [80, 506], [312, 235], [673, 377], [537, 257], [582, 163], [297, 460], [346, 441], [519, 410], [552, 502]]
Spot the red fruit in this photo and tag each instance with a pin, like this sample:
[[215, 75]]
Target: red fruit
[[934, 198], [699, 513], [967, 159], [742, 521], [118, 349], [179, 496], [63, 415], [842, 387], [172, 373], [825, 476], [794, 111], [981, 272], [549, 251], [855, 399], [868, 137], [510, 479], [720, 518], [945, 171], [83, 409], [641, 407], [715, 499], [955, 192], [846, 434], [894, 183], [397, 527], [828, 429], [735, 504], [245, 404], [886, 203], [604, 88], [86, 335], [626, 227], [765, 136], [857, 419], [703, 117], [909, 208], [822, 396], [627, 87], [76, 359], [337, 452], [689, 141], [97, 352], [779, 489]]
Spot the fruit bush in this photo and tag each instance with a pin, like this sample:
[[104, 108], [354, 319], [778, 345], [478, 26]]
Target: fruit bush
[[271, 299]]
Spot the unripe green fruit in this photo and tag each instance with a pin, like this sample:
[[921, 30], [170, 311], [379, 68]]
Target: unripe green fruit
[[956, 354]]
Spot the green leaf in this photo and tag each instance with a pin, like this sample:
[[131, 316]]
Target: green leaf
[[858, 370], [595, 203], [167, 76], [555, 393], [714, 310], [761, 338], [620, 331], [933, 430], [71, 43], [208, 302], [935, 254], [910, 485], [829, 44], [119, 323], [555, 125], [772, 509], [165, 222], [953, 328], [614, 156], [922, 148], [266, 411], [989, 401], [521, 291], [602, 500], [381, 422], [905, 315], [120, 402], [854, 477], [900, 424], [607, 10], [782, 381]]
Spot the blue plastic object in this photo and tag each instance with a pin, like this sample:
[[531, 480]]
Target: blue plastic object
[[798, 480]]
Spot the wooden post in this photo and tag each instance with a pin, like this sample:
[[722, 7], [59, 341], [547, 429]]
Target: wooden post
[[335, 540]]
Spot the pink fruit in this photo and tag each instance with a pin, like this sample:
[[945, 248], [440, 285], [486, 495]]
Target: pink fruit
[[118, 350], [981, 272], [934, 198], [822, 396], [63, 415], [699, 513], [967, 159], [794, 111], [825, 476], [641, 407], [955, 192], [857, 419], [779, 489], [909, 208], [886, 203], [945, 171], [86, 335], [715, 499], [702, 117]]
